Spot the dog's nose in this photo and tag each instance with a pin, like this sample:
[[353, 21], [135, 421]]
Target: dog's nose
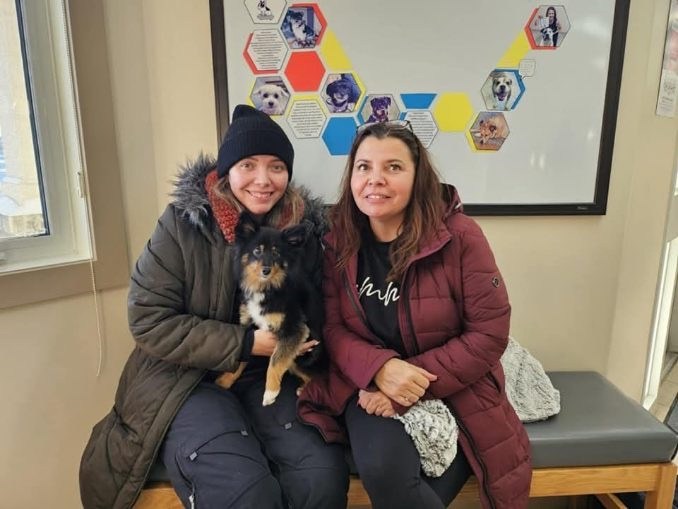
[[266, 270]]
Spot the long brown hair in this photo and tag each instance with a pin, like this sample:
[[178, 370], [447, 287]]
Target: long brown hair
[[287, 212], [423, 214]]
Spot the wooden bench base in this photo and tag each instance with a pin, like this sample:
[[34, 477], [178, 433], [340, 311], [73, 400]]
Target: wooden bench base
[[657, 480]]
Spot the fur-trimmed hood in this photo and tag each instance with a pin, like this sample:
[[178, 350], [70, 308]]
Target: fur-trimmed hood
[[191, 198]]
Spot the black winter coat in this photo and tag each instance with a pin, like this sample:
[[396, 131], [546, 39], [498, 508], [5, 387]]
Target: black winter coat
[[180, 307]]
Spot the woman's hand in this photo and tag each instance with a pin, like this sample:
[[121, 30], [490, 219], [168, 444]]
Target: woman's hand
[[264, 342], [403, 382], [307, 346], [375, 403]]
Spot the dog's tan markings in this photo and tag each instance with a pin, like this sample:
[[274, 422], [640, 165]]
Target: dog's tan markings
[[274, 320], [277, 367], [245, 318], [277, 277], [252, 276], [226, 380], [303, 376], [305, 333]]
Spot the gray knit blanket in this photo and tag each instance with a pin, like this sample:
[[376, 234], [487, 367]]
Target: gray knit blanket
[[434, 431]]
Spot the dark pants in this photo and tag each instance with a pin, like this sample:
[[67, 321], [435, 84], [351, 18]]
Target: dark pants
[[224, 450], [390, 467]]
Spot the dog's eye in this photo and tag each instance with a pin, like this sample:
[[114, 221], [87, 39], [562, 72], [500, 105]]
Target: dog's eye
[[257, 251], [265, 95]]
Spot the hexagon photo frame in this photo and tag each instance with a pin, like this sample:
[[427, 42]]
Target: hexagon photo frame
[[341, 92], [265, 11], [270, 95], [378, 108], [303, 26], [502, 89], [547, 27]]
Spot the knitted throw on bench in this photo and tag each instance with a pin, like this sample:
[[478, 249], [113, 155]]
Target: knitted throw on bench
[[434, 431]]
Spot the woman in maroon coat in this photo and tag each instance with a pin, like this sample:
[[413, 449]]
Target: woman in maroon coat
[[416, 309]]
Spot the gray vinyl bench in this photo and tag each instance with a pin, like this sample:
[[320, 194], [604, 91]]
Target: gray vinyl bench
[[601, 443]]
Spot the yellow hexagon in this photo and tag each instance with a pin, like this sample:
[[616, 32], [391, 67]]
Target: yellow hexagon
[[333, 53], [453, 111]]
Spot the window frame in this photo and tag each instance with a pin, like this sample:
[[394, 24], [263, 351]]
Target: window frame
[[52, 107], [109, 267]]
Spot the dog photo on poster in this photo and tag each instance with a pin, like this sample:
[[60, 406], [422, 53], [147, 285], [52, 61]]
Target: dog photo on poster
[[516, 101]]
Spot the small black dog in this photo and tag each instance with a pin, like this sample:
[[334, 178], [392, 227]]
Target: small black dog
[[277, 296]]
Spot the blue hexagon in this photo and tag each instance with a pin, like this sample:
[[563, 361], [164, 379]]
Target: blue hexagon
[[339, 135], [417, 101]]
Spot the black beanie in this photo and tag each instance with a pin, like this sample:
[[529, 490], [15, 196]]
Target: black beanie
[[251, 133]]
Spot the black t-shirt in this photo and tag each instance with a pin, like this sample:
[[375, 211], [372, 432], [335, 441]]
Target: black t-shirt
[[378, 297]]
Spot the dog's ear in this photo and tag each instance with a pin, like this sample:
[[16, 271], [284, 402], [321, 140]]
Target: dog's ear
[[296, 235], [247, 226]]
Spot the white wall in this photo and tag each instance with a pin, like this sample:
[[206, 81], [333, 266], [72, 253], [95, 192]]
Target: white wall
[[582, 288]]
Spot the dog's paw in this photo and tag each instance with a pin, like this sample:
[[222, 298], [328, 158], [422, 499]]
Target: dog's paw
[[300, 389], [269, 397]]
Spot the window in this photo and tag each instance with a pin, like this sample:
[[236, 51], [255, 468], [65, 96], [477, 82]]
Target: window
[[43, 213], [81, 88]]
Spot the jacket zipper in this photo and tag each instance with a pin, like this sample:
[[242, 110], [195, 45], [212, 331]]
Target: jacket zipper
[[164, 432], [462, 427], [410, 324], [408, 314], [360, 312]]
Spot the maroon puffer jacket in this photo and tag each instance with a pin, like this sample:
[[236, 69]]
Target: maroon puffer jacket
[[454, 320]]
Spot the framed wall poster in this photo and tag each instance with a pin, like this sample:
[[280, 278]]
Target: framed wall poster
[[516, 101]]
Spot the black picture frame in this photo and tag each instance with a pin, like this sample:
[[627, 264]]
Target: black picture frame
[[609, 121]]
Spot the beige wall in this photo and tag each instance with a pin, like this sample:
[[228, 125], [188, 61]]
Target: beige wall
[[582, 288]]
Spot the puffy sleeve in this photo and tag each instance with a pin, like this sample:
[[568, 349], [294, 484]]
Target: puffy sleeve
[[159, 320], [485, 322]]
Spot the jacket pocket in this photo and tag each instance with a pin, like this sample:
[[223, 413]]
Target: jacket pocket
[[233, 455], [107, 461]]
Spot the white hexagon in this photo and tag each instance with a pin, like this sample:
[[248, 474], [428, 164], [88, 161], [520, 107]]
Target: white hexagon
[[306, 118], [423, 125], [267, 50], [265, 11]]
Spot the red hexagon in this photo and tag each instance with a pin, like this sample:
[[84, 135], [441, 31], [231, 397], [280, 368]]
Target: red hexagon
[[304, 71]]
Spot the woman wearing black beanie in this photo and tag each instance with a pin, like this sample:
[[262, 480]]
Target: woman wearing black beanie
[[220, 447]]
